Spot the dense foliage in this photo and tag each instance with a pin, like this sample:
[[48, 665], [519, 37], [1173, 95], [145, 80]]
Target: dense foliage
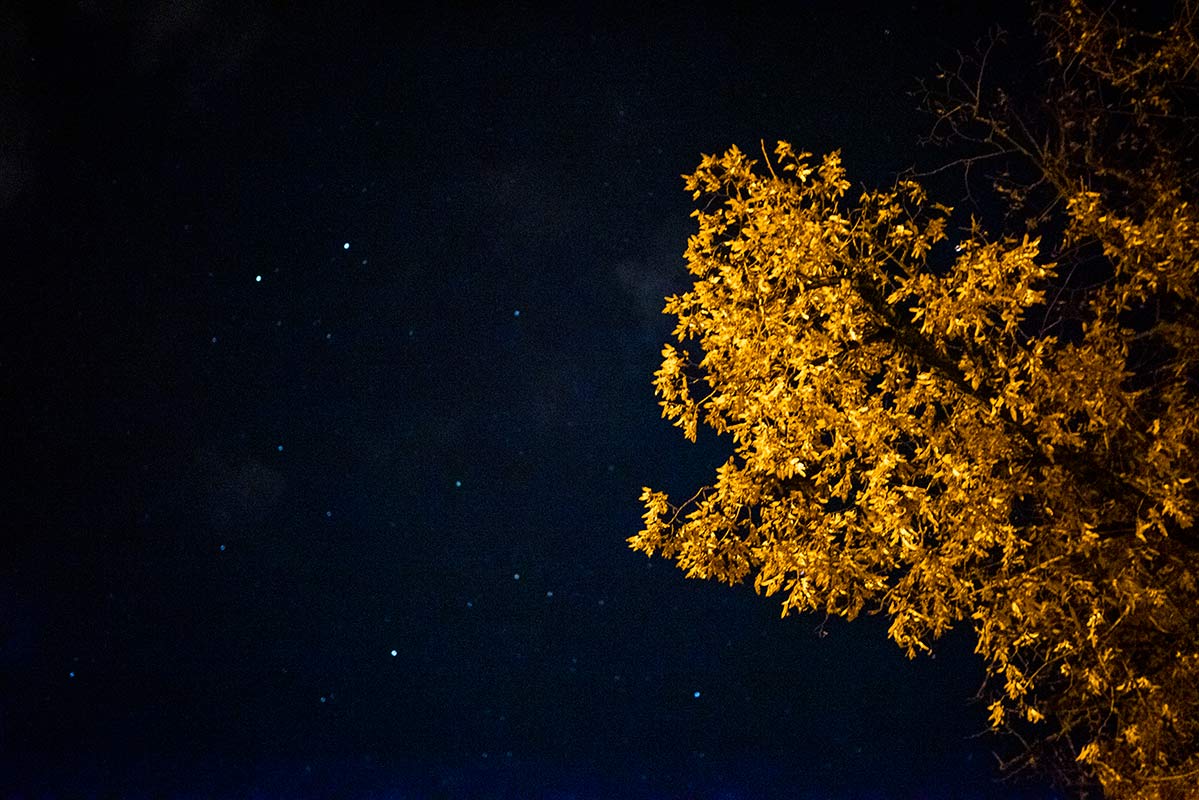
[[953, 425]]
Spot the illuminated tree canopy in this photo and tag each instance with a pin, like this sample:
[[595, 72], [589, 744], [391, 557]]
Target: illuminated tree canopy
[[954, 425]]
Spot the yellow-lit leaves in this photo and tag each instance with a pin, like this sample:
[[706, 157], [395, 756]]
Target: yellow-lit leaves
[[985, 296], [906, 442]]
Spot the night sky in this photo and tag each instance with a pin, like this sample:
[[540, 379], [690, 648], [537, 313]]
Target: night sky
[[327, 350]]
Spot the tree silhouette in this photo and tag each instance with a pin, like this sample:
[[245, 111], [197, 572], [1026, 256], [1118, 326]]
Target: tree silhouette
[[984, 425]]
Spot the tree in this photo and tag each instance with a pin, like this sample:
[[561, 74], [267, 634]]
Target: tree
[[988, 425]]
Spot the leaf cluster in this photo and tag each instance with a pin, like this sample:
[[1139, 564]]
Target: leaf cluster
[[914, 437]]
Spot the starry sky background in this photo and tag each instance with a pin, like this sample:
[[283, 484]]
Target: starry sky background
[[328, 340]]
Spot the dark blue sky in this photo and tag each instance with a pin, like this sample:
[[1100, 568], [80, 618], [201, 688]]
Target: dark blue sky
[[328, 346]]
